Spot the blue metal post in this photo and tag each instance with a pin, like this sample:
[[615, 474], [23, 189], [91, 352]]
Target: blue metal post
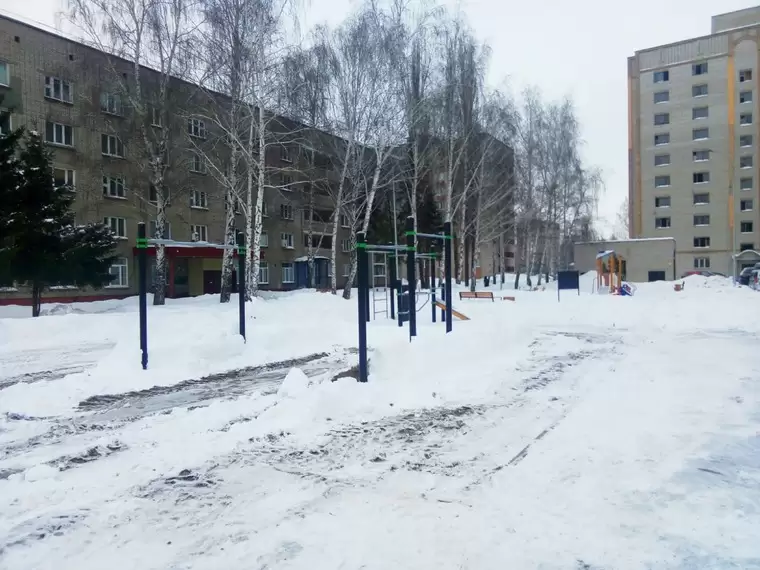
[[410, 276], [447, 239], [241, 281], [361, 259], [142, 284], [392, 270], [432, 286]]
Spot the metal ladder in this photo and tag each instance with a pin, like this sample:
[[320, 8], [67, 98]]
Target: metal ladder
[[379, 284]]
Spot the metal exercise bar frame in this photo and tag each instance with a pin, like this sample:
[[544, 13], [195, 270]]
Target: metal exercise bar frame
[[446, 237], [447, 264], [142, 285], [361, 283], [142, 244], [410, 276], [241, 282]]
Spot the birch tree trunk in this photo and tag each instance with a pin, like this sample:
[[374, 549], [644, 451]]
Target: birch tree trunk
[[336, 222]]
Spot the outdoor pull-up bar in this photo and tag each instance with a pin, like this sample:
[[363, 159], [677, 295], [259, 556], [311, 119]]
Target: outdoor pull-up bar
[[142, 264], [363, 248]]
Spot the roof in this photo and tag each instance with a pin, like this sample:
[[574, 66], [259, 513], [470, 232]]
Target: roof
[[623, 241]]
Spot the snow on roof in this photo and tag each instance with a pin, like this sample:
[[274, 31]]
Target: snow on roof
[[189, 244], [305, 258], [605, 253], [632, 240]]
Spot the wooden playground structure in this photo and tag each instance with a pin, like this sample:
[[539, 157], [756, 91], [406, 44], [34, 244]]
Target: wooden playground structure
[[609, 271]]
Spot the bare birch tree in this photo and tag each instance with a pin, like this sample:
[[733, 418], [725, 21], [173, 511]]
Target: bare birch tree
[[146, 33]]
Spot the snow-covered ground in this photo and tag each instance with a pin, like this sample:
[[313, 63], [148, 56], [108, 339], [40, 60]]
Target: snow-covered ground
[[598, 432]]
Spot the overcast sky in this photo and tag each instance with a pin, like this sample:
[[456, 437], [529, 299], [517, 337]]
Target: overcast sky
[[576, 48]]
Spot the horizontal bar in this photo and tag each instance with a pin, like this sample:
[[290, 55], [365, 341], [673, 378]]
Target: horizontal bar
[[372, 247], [434, 236], [189, 244]]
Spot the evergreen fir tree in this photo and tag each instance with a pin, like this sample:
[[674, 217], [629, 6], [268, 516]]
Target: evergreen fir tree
[[47, 247], [10, 180]]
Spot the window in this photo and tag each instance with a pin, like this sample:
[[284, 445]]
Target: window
[[745, 161], [745, 140], [662, 202], [701, 242], [344, 221], [661, 96], [662, 119], [263, 273], [5, 75], [701, 220], [699, 90], [155, 117], [119, 272], [745, 97], [5, 122], [153, 195], [118, 226], [288, 273], [661, 159], [700, 155], [701, 199], [745, 118], [264, 210], [154, 231], [111, 145], [661, 223], [64, 177], [660, 181], [114, 187], [198, 164], [746, 247], [700, 113], [701, 263], [287, 182], [57, 133], [699, 68], [746, 205], [286, 211], [745, 75], [346, 269], [661, 76], [285, 154], [110, 103], [661, 139], [700, 177], [264, 240], [318, 241], [196, 128], [745, 183], [199, 233], [199, 199], [286, 240], [58, 89], [700, 134], [746, 227]]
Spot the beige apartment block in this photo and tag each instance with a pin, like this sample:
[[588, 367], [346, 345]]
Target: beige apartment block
[[65, 90], [693, 131]]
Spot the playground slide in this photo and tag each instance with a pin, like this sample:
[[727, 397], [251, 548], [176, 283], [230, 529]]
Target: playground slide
[[457, 314]]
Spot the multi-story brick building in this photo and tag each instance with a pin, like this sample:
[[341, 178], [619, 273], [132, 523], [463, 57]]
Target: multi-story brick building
[[694, 172], [66, 91]]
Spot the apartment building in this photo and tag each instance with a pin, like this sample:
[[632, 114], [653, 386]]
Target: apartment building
[[65, 90], [693, 131]]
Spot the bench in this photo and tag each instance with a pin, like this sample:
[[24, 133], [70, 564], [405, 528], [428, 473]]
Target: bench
[[475, 295]]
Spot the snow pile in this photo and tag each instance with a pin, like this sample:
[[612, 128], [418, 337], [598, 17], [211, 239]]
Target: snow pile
[[619, 431]]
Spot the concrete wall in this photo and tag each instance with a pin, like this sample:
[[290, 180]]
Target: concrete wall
[[641, 256]]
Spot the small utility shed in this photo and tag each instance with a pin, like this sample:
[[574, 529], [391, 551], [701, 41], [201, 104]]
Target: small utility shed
[[645, 259]]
